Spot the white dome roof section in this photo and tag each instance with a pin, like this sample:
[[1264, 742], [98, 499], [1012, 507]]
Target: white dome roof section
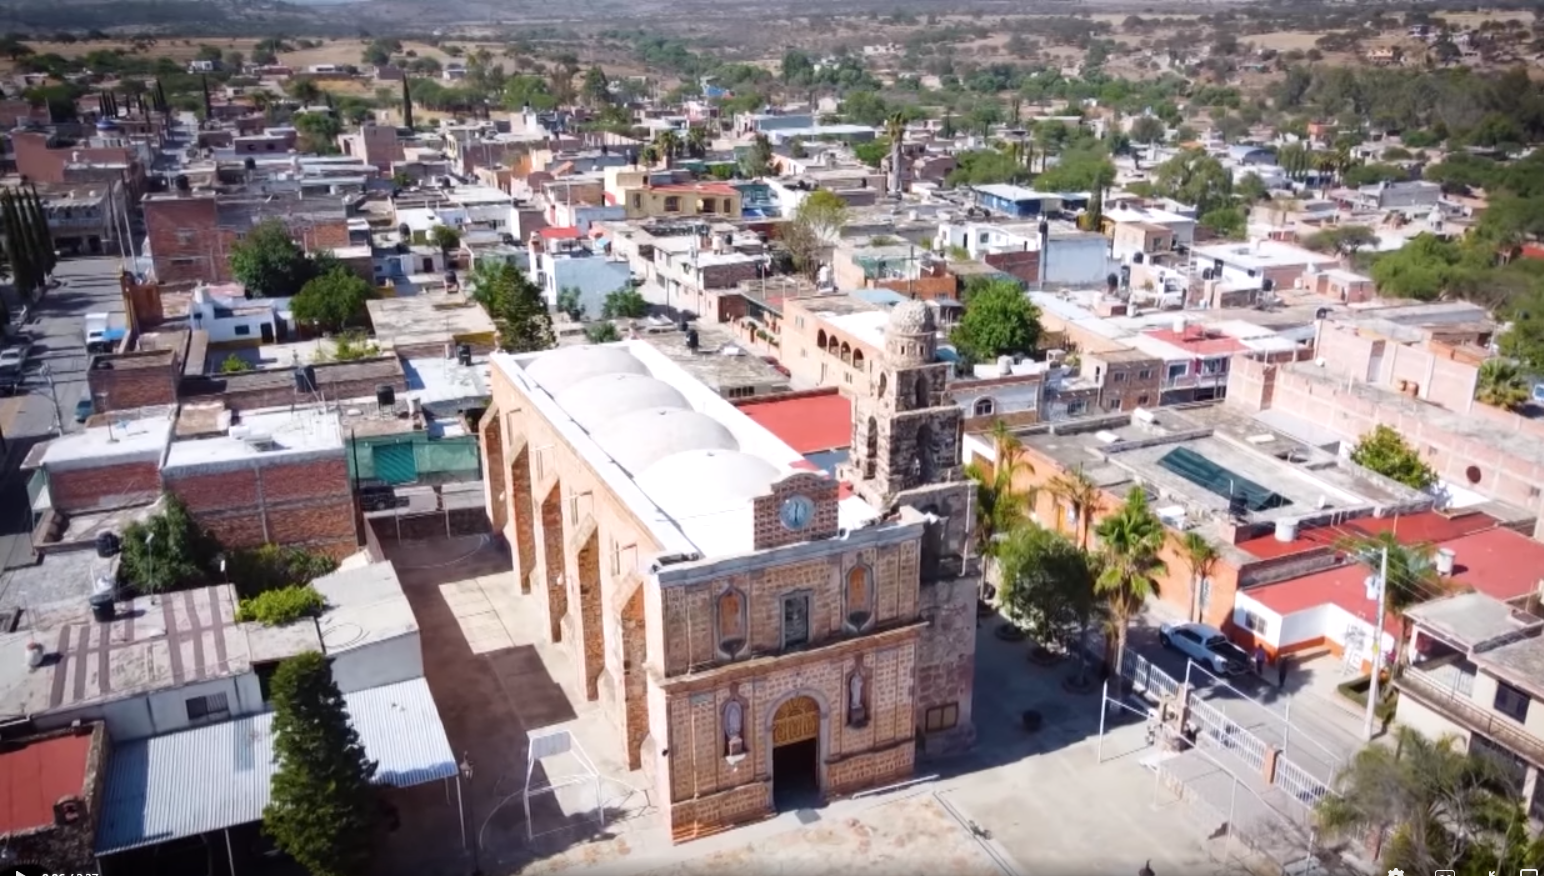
[[559, 369], [642, 438], [596, 402], [698, 483]]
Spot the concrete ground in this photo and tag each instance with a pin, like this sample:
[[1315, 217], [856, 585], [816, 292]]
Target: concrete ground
[[1019, 803]]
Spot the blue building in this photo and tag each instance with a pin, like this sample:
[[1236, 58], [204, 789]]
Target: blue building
[[1016, 201]]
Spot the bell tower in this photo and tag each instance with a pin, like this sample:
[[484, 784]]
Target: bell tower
[[906, 434]]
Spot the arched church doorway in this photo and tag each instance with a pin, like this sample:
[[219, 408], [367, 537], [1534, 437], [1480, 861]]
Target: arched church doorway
[[796, 754]]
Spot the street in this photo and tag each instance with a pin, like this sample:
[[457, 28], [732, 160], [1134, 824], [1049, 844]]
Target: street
[[88, 285]]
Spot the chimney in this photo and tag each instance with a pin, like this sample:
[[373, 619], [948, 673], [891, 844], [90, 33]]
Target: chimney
[[1445, 560]]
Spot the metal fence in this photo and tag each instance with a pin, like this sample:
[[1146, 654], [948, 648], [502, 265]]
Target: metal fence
[[1221, 731], [1146, 677], [1299, 784]]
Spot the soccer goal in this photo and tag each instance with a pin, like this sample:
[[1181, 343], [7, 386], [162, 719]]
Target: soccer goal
[[563, 782]]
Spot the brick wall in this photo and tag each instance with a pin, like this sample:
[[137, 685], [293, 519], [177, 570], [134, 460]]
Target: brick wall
[[37, 161], [1023, 265], [337, 380], [78, 490], [69, 848], [305, 503], [133, 380], [188, 245]]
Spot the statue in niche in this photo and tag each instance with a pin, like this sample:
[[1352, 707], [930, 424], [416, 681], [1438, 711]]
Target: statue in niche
[[734, 725], [857, 715]]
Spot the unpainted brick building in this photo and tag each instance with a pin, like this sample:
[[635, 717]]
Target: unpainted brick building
[[191, 233], [756, 634]]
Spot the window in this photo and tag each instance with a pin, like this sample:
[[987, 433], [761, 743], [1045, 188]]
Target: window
[[1215, 366], [208, 709], [1142, 400], [185, 235], [985, 407], [672, 204], [796, 620], [1511, 702], [637, 202], [242, 330], [1118, 377], [1251, 621], [1145, 374], [709, 205], [740, 391], [1113, 404], [1178, 370], [940, 718], [1076, 407]]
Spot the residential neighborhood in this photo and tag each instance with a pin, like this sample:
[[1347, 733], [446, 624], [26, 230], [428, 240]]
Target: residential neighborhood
[[1117, 459]]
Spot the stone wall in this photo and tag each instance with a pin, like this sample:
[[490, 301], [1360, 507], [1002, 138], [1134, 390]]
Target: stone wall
[[946, 662], [69, 848]]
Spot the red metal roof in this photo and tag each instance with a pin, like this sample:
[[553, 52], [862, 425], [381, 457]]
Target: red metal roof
[[809, 422], [1196, 342], [1345, 586], [34, 778], [699, 187], [1424, 528], [566, 232]]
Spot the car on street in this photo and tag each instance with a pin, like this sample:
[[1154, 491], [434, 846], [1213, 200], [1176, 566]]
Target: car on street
[[83, 410], [12, 358], [1206, 645]]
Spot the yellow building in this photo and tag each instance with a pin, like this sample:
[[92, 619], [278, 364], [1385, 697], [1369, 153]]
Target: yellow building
[[708, 200]]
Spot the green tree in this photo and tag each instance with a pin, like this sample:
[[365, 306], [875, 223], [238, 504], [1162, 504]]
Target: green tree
[[322, 808], [271, 567], [1225, 222], [331, 301], [569, 304], [318, 132], [1130, 540], [757, 159], [626, 303], [269, 263], [1193, 177], [1342, 240], [1523, 339], [1430, 797], [602, 333], [234, 364], [1078, 170], [1077, 491], [445, 238], [1384, 451], [166, 551], [516, 306], [825, 213], [871, 153], [596, 88], [1201, 557], [1148, 130], [1502, 384], [1000, 507], [999, 320], [1046, 589]]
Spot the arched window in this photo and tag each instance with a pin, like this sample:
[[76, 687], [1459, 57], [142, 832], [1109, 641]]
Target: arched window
[[920, 390], [734, 729], [731, 622], [871, 448], [833, 346], [820, 339], [985, 407], [846, 352], [858, 597], [923, 461], [857, 358], [884, 384]]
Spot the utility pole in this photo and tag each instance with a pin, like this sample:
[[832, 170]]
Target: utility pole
[[1382, 579]]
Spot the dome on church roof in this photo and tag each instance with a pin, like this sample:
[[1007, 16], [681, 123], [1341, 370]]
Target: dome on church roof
[[697, 483], [597, 402], [559, 369], [642, 438], [911, 318]]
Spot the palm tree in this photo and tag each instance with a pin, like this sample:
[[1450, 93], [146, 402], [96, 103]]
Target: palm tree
[[668, 145], [1201, 557], [1502, 384], [262, 101], [697, 141], [1077, 491], [1412, 577], [648, 155], [1130, 540], [1000, 507], [895, 134], [1429, 797]]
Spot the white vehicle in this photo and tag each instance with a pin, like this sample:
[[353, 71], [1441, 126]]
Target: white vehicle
[[13, 358], [1205, 645]]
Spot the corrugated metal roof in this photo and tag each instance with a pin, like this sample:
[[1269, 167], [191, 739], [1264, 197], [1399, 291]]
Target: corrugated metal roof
[[210, 778]]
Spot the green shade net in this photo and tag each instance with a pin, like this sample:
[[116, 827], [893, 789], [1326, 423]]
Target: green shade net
[[394, 463], [1204, 473]]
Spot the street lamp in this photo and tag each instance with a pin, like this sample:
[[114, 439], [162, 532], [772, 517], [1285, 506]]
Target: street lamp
[[466, 773]]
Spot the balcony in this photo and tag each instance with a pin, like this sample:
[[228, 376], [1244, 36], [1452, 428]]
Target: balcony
[[1432, 692]]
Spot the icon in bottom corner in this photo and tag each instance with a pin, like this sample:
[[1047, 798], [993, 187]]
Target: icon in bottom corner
[[1529, 872], [1446, 873], [1396, 872]]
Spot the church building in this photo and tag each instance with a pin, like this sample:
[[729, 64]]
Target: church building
[[760, 633]]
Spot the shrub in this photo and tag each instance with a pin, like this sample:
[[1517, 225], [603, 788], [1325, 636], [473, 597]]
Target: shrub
[[275, 608]]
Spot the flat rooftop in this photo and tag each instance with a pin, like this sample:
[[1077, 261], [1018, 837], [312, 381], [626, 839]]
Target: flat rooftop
[[126, 436], [276, 435], [37, 775], [427, 319], [1260, 254], [364, 606], [1473, 620], [686, 462], [440, 383], [155, 644], [719, 362]]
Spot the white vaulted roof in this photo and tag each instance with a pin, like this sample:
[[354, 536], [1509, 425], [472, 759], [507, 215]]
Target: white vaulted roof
[[597, 402], [642, 438], [557, 370]]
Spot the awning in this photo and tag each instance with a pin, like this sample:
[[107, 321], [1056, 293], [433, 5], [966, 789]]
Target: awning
[[210, 778]]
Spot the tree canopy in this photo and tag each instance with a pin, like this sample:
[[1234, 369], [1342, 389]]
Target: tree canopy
[[516, 306], [999, 320], [333, 300], [322, 808], [1385, 451], [269, 263]]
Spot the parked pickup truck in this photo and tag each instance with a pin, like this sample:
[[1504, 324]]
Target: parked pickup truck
[[1205, 645]]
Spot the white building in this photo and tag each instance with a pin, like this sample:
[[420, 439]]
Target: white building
[[231, 318]]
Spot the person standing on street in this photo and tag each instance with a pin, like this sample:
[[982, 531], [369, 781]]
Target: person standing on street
[[1259, 660], [1281, 671]]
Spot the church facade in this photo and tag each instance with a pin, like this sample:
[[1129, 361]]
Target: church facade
[[758, 636]]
